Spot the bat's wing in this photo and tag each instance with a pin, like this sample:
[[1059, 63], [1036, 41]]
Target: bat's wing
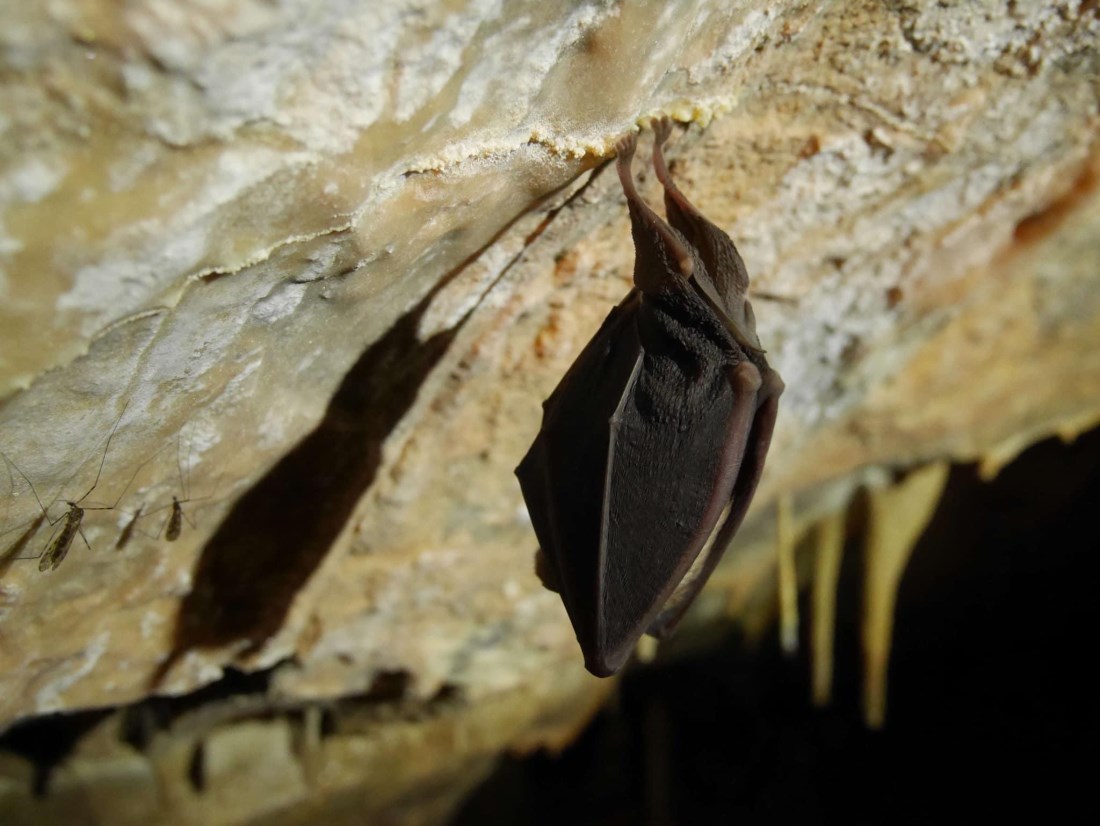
[[562, 476], [748, 477], [675, 462]]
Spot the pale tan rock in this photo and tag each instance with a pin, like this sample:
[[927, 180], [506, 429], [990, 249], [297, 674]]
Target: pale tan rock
[[118, 789], [248, 763], [208, 216], [16, 782]]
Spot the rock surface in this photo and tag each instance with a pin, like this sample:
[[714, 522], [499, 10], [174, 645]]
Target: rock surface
[[314, 267]]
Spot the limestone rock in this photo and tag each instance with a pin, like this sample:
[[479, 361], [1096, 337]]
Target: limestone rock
[[315, 266]]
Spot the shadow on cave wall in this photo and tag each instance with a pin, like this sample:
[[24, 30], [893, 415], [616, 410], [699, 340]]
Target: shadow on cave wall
[[279, 532]]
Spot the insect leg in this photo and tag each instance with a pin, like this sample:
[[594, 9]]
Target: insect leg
[[187, 518], [103, 459], [129, 482], [185, 480], [178, 513], [26, 479], [127, 532], [748, 465]]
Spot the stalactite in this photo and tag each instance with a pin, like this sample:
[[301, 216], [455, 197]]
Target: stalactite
[[898, 516], [646, 649], [788, 576], [828, 538]]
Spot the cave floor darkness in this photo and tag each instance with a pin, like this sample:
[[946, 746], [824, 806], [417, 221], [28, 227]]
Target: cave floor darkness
[[990, 711]]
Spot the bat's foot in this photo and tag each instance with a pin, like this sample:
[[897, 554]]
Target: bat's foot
[[626, 146], [662, 129]]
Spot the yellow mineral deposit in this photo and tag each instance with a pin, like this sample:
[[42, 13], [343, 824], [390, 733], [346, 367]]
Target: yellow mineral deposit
[[646, 649], [898, 516], [828, 539], [788, 576], [997, 457]]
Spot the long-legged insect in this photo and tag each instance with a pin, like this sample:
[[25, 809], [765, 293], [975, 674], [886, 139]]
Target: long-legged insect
[[173, 526], [61, 541]]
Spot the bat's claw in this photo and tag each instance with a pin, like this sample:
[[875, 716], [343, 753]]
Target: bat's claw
[[662, 128]]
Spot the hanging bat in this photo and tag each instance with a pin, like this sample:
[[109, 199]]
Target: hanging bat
[[653, 443]]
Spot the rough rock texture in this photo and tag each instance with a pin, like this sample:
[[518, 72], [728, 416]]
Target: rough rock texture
[[318, 264]]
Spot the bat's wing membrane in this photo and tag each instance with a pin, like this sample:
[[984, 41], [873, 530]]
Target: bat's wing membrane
[[668, 486], [562, 475], [748, 476]]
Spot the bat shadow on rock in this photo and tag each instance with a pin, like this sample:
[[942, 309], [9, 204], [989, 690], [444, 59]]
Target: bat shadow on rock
[[279, 532]]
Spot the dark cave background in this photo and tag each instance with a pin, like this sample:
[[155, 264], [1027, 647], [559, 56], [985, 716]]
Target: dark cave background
[[990, 711]]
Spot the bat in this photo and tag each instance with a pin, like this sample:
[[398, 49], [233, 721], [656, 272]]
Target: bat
[[653, 443]]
